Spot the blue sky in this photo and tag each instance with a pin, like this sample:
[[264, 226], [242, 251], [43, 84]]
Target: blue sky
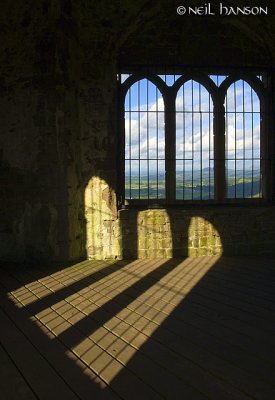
[[144, 125]]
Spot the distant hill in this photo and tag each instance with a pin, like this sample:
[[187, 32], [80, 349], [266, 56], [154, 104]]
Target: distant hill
[[197, 175], [194, 186]]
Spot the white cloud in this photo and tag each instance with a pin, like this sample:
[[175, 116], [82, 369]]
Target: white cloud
[[145, 138], [241, 98]]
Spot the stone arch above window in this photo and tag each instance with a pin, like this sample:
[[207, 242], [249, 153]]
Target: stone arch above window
[[195, 136], [144, 141]]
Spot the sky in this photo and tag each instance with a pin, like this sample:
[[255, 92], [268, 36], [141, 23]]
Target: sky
[[144, 126]]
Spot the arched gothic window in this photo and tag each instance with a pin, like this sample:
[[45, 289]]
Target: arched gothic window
[[193, 138], [243, 142], [144, 142], [194, 143]]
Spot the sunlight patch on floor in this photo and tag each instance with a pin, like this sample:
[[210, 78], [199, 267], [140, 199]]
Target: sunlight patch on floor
[[113, 315]]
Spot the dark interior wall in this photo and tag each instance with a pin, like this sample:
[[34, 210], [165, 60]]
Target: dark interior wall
[[169, 38], [58, 65], [39, 130]]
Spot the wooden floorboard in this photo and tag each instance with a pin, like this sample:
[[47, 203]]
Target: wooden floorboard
[[199, 328], [12, 383], [32, 364]]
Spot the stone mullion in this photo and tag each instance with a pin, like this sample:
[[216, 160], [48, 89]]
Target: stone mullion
[[219, 151], [170, 147], [120, 145]]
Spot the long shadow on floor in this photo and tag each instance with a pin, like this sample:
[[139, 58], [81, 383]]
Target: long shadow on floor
[[198, 328], [33, 363], [218, 342]]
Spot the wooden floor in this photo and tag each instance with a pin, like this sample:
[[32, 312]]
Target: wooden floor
[[199, 328]]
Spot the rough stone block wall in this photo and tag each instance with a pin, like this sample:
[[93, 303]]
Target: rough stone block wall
[[58, 142], [188, 232]]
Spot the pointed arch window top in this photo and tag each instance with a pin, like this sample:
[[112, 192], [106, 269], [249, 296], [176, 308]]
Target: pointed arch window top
[[194, 137]]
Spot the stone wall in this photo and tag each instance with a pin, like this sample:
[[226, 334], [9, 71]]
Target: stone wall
[[165, 233], [41, 203], [58, 138]]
